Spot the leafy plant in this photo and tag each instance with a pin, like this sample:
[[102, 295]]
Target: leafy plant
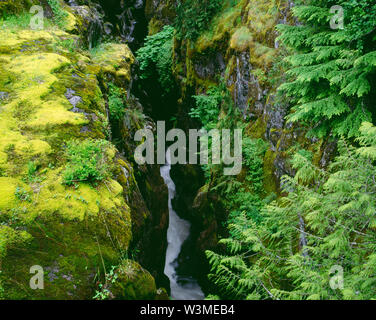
[[110, 278], [59, 13], [69, 44], [155, 58], [31, 171], [115, 102], [208, 107], [194, 16], [15, 21], [86, 161], [22, 194]]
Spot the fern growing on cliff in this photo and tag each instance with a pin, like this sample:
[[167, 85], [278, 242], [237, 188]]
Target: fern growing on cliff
[[86, 161], [318, 242], [59, 13], [194, 16], [208, 107], [155, 58], [115, 102], [331, 78]]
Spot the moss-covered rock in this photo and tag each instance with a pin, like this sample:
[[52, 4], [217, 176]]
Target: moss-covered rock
[[51, 94], [113, 62], [133, 283], [159, 14], [15, 6]]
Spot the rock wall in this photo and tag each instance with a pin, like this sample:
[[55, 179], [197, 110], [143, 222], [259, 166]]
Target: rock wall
[[53, 91], [112, 19], [239, 47]]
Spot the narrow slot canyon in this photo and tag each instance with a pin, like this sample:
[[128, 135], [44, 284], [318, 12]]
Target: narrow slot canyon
[[280, 90]]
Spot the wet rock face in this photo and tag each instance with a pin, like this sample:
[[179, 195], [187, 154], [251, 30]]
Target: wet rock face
[[188, 180], [276, 114], [112, 19], [147, 197], [150, 236], [127, 19], [329, 150], [159, 13], [209, 67], [91, 27], [244, 81]]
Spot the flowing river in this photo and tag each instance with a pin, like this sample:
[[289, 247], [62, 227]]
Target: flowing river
[[177, 233]]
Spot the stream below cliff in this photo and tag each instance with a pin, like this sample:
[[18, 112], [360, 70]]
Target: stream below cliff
[[182, 287]]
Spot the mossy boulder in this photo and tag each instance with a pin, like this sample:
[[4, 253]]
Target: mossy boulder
[[50, 94], [114, 61], [133, 283]]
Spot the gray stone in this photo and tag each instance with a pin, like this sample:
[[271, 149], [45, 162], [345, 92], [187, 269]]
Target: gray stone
[[73, 100], [3, 95]]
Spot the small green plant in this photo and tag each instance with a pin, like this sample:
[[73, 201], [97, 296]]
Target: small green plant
[[194, 16], [59, 13], [19, 21], [22, 195], [86, 161], [110, 278], [155, 58], [260, 74], [32, 169], [82, 199], [115, 102], [208, 107], [69, 44]]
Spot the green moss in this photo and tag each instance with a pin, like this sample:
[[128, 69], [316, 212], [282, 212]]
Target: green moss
[[133, 283], [15, 6], [71, 231], [222, 27], [270, 184], [113, 61], [257, 129], [154, 26], [241, 39], [10, 238], [7, 190]]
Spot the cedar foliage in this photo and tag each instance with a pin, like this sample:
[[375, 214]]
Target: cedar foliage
[[293, 247], [332, 72], [326, 220]]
